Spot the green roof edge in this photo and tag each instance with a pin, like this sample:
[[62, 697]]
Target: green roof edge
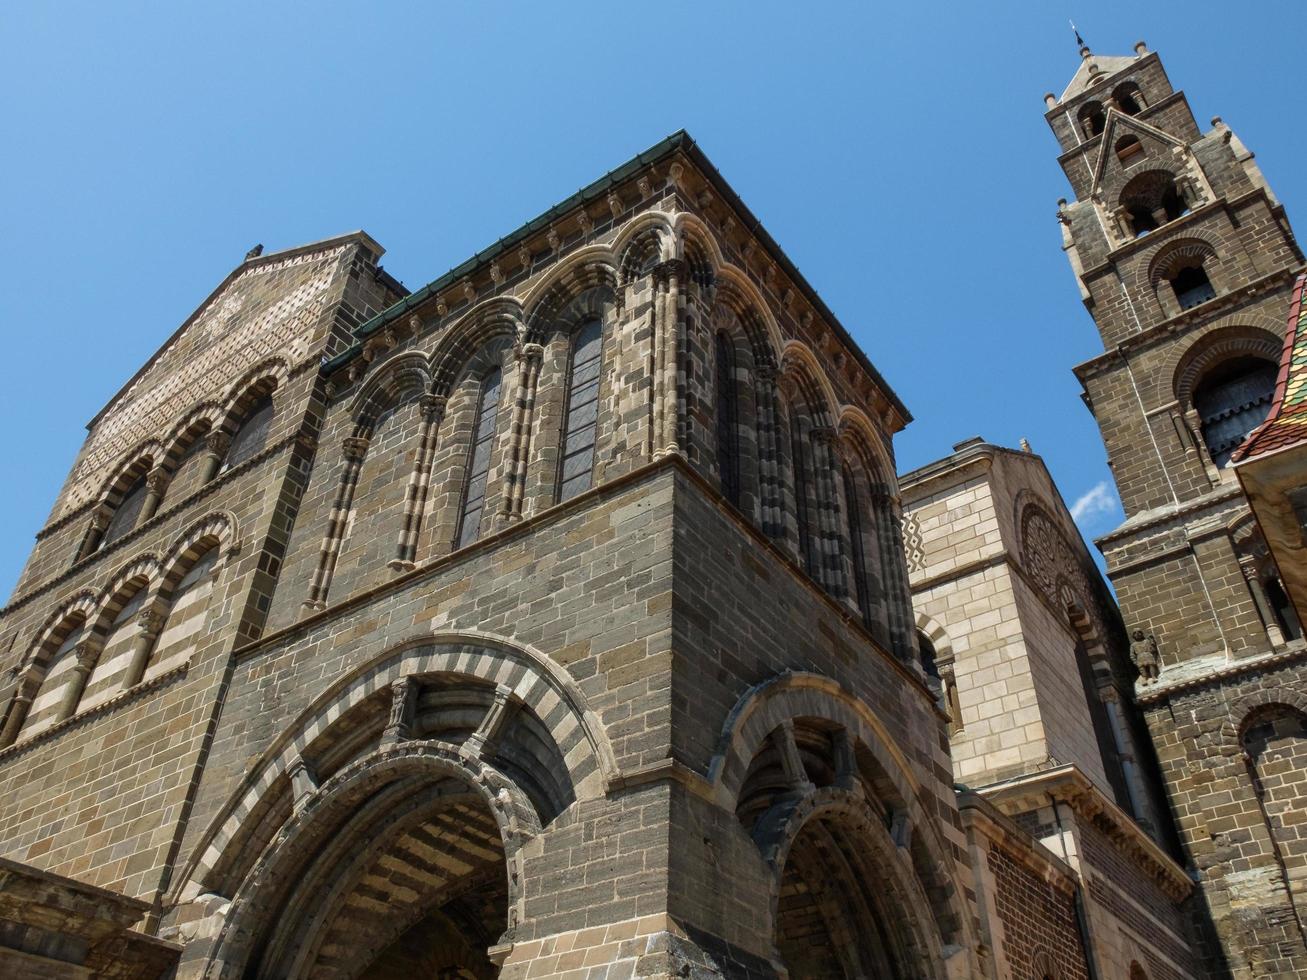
[[679, 140]]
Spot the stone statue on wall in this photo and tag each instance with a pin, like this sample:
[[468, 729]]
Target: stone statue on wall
[[1143, 652]]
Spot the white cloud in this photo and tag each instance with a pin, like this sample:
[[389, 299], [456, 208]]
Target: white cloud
[[1099, 499]]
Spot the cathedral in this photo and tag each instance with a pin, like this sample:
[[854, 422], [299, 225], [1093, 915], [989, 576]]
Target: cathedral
[[568, 617]]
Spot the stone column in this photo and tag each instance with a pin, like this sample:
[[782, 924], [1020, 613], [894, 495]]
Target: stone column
[[828, 517], [22, 703], [1248, 565], [150, 623], [403, 700], [667, 338], [156, 485], [1125, 750], [791, 761], [770, 490], [353, 450], [215, 451], [432, 408], [95, 533], [530, 357], [88, 653]]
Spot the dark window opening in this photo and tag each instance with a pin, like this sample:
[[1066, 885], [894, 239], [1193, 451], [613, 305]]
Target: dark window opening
[[728, 454], [250, 438], [1283, 610], [1092, 119], [1192, 286], [928, 655], [1232, 401], [128, 511], [802, 510], [578, 450], [1129, 150], [1129, 99], [478, 467], [1152, 199]]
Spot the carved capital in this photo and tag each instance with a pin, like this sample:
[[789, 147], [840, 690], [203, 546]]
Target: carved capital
[[218, 443], [823, 435], [672, 268], [432, 407], [355, 448], [150, 621], [156, 481], [531, 353], [100, 520], [88, 652]]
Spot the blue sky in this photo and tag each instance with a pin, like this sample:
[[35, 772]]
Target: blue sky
[[897, 152]]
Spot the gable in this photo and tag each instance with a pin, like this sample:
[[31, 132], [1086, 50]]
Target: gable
[[1156, 152]]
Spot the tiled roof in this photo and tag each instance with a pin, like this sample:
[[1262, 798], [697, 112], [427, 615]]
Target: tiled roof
[[1287, 423]]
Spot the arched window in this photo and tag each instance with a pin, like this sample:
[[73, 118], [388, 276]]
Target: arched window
[[1129, 150], [250, 438], [1129, 99], [126, 513], [1233, 400], [1152, 199], [1092, 119], [116, 654], [1191, 285], [577, 469], [188, 603], [46, 708], [478, 467], [853, 510], [728, 450]]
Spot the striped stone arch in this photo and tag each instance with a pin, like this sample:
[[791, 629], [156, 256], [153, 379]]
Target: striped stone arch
[[861, 435], [147, 566], [591, 268], [403, 374], [794, 695], [1230, 336], [219, 528], [643, 242], [266, 377], [500, 319], [536, 682], [82, 603], [699, 249], [938, 637], [1162, 262], [1244, 710], [801, 372], [142, 458], [737, 290], [201, 419], [257, 906]]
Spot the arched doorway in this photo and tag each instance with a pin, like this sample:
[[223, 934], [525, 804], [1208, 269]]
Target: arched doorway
[[402, 864], [830, 922]]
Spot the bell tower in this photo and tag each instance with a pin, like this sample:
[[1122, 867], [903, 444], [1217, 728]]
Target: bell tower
[[1185, 260]]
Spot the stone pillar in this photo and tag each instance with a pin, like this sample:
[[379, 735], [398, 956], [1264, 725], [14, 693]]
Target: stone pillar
[[88, 653], [770, 490], [156, 485], [150, 624], [791, 760], [95, 532], [1140, 802], [215, 451], [22, 703], [828, 512], [1248, 565], [530, 357], [668, 340], [353, 450], [403, 700], [432, 408]]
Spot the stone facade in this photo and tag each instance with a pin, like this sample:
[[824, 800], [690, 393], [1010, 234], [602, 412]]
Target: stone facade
[[1032, 665], [551, 620], [1186, 261]]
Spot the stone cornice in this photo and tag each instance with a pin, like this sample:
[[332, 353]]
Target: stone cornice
[[1164, 691], [1169, 514], [671, 461], [998, 828], [1067, 784]]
